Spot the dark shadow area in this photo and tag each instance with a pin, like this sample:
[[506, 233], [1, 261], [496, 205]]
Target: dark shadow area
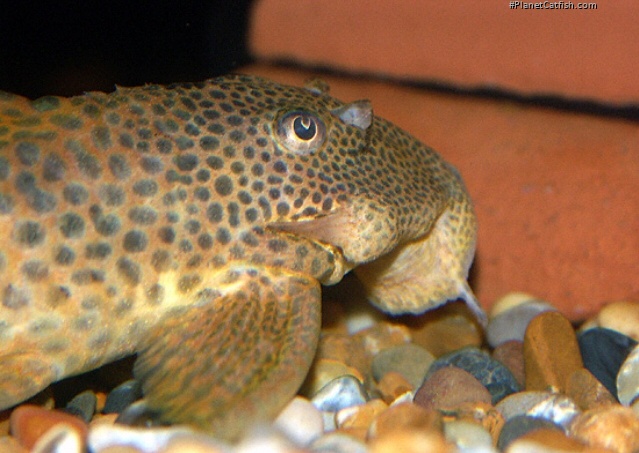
[[67, 47]]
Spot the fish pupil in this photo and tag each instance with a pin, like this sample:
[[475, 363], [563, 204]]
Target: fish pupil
[[304, 127]]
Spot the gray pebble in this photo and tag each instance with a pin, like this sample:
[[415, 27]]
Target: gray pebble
[[138, 415], [122, 396], [82, 405], [512, 323], [603, 352], [409, 360]]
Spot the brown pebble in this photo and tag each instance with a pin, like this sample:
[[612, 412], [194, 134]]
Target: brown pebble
[[405, 417], [357, 433], [546, 440], [29, 423], [511, 354], [392, 385], [100, 400], [446, 329], [484, 414], [104, 419], [10, 445], [383, 335], [194, 444], [613, 427], [411, 442], [551, 352], [322, 372], [587, 392], [360, 416], [345, 349], [449, 387]]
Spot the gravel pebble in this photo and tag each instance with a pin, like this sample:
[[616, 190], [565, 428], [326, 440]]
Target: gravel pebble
[[102, 437], [412, 442], [468, 436], [628, 378], [603, 351], [195, 443], [613, 427], [324, 371], [122, 396], [60, 438], [557, 408], [587, 392], [546, 440], [338, 443], [267, 441], [392, 386], [341, 392], [383, 335], [511, 354], [405, 417], [360, 416], [82, 405], [551, 352], [29, 423], [510, 323], [447, 388], [300, 421], [520, 425], [493, 375], [621, 316], [346, 349], [409, 360], [447, 329]]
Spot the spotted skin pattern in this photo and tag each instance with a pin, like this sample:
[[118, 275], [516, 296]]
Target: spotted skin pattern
[[193, 224]]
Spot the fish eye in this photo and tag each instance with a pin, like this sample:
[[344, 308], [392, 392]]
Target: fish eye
[[301, 132]]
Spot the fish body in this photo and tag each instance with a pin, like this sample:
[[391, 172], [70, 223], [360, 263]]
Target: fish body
[[194, 223]]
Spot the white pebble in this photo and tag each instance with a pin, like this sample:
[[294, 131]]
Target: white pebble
[[406, 397], [338, 443], [628, 378], [61, 438], [468, 436], [196, 443], [341, 392], [329, 421], [147, 440], [300, 421], [622, 316], [555, 407], [265, 440]]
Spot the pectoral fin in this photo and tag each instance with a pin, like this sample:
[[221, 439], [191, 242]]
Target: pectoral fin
[[237, 356]]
